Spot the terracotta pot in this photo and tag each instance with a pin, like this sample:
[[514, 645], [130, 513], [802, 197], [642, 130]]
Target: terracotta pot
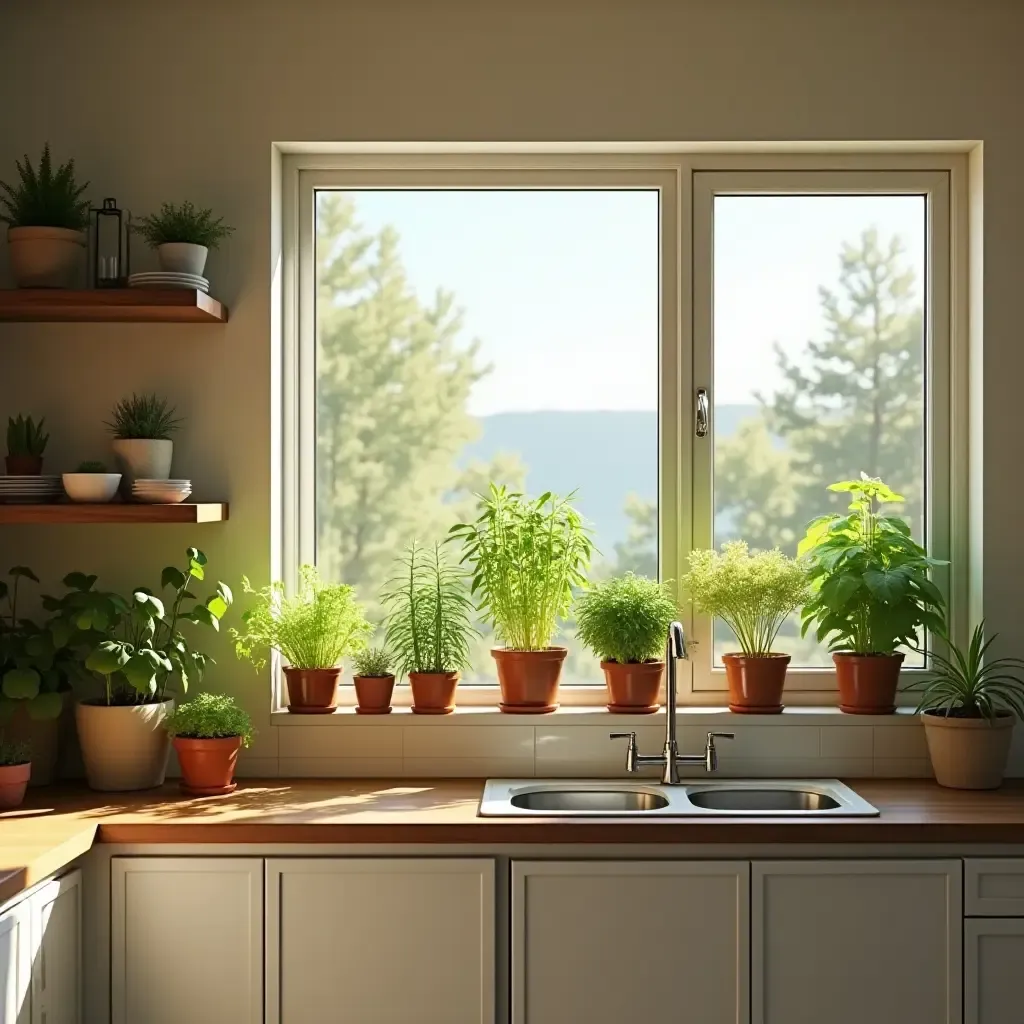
[[45, 257], [633, 687], [124, 747], [44, 737], [13, 783], [867, 682], [529, 679], [373, 694], [23, 465], [208, 765], [312, 691], [433, 693], [968, 753], [756, 683]]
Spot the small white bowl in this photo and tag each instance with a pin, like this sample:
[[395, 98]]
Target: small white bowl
[[91, 488], [157, 497]]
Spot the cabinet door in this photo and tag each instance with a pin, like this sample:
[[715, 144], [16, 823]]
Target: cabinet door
[[385, 941], [186, 940], [630, 941], [854, 941], [994, 971], [15, 965], [56, 911]]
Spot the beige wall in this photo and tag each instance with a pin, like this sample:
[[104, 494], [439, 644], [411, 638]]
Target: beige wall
[[162, 100]]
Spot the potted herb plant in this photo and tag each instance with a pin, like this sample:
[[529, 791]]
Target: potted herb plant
[[142, 426], [183, 236], [969, 706], [428, 626], [526, 556], [207, 732], [15, 769], [374, 681], [624, 621], [26, 443], [91, 483], [46, 220], [140, 654], [871, 594], [753, 593], [312, 630]]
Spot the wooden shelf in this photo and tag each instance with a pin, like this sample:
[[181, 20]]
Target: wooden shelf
[[111, 305], [115, 512]]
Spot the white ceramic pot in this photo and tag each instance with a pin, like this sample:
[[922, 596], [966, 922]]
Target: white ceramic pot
[[182, 257], [124, 748], [94, 488], [968, 753], [45, 257], [142, 459]]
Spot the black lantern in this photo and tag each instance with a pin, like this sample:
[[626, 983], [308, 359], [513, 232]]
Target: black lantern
[[111, 246]]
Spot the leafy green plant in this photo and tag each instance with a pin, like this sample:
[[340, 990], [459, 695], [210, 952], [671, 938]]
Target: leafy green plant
[[14, 752], [143, 416], [963, 684], [44, 199], [183, 223], [526, 556], [752, 592], [428, 627], [91, 467], [210, 716], [871, 592], [626, 618], [315, 628], [25, 437], [374, 662]]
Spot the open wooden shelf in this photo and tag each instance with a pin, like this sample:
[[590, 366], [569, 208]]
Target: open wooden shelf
[[111, 305], [115, 512]]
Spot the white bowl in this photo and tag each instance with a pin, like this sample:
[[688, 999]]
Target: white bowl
[[96, 488], [155, 497]]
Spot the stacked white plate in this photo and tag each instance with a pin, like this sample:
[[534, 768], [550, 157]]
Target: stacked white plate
[[169, 279], [161, 492], [30, 489]]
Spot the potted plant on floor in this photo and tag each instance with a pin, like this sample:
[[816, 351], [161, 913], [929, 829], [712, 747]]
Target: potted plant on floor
[[91, 483], [753, 593], [26, 443], [141, 652], [207, 732], [374, 681], [183, 236], [428, 626], [142, 426], [624, 621], [46, 220], [969, 706], [870, 594], [312, 630], [526, 556], [15, 769]]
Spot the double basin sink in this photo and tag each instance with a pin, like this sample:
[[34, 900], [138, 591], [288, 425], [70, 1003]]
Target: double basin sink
[[697, 799]]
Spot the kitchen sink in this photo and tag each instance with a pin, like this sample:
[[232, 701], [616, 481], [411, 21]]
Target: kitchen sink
[[740, 799], [600, 801]]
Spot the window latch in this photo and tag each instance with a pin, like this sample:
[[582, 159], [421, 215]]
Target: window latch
[[701, 427]]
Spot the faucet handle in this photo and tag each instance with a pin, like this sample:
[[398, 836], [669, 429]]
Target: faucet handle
[[711, 753], [631, 752]]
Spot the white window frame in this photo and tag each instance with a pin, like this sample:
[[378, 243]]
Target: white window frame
[[686, 182]]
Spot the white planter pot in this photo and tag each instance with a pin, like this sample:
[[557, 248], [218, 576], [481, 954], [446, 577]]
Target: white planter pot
[[124, 748], [141, 459], [94, 488], [968, 753], [45, 257], [182, 257]]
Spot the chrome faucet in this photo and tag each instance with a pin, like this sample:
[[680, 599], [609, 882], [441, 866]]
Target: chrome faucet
[[670, 759]]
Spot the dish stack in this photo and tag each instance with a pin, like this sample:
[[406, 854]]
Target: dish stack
[[161, 492], [169, 279], [30, 490]]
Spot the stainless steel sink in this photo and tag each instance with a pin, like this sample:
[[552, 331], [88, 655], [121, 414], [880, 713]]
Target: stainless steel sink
[[600, 801], [739, 799]]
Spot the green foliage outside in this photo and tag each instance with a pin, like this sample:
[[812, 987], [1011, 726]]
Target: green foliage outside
[[183, 223], [45, 198], [25, 437], [625, 618], [148, 417], [373, 662], [210, 716], [14, 752]]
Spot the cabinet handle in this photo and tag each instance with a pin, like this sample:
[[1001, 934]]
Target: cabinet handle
[[702, 413]]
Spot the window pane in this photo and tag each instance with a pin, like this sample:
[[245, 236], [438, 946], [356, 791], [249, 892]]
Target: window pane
[[819, 358], [464, 336]]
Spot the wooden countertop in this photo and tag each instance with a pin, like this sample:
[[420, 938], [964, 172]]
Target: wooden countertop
[[58, 824]]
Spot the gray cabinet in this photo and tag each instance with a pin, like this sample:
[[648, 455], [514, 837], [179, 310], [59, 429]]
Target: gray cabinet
[[55, 911], [15, 966]]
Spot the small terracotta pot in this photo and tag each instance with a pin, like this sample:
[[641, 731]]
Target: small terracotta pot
[[208, 766], [529, 679], [968, 753], [756, 683], [633, 687], [867, 682], [312, 691], [433, 693], [13, 783], [24, 465], [373, 694]]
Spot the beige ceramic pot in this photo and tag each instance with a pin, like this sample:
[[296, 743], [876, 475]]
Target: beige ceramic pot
[[968, 753], [124, 748], [45, 257], [142, 459]]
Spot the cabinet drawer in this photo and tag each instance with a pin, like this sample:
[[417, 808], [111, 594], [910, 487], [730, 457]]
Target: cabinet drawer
[[994, 887]]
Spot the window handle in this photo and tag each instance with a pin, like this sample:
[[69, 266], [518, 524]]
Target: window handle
[[702, 412]]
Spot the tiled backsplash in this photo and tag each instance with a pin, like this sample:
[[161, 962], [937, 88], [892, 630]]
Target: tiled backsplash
[[804, 742]]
